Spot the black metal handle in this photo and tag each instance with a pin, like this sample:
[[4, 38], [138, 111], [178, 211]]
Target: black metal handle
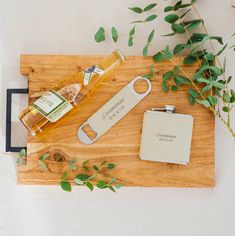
[[9, 148]]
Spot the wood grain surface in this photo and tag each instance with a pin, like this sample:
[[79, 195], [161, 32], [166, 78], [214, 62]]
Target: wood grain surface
[[121, 143]]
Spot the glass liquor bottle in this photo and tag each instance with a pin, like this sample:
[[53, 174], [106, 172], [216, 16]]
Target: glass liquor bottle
[[67, 94]]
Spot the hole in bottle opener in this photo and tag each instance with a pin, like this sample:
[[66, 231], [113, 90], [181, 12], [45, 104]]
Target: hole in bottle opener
[[114, 110]]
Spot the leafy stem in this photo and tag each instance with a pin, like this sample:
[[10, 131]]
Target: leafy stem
[[224, 77], [206, 78], [187, 75], [85, 174]]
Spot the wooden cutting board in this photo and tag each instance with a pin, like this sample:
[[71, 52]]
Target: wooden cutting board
[[120, 144]]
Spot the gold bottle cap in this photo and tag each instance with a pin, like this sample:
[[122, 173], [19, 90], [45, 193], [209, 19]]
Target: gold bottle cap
[[120, 54]]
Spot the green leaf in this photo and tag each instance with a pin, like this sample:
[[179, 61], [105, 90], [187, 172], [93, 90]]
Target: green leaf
[[209, 56], [66, 186], [150, 38], [111, 166], [226, 97], [85, 162], [203, 80], [205, 103], [168, 53], [64, 176], [176, 70], [101, 184], [145, 50], [232, 99], [100, 35], [130, 42], [179, 5], [150, 18], [112, 181], [150, 6], [72, 166], [179, 48], [217, 38], [194, 24], [151, 35], [213, 100], [22, 153], [132, 31], [178, 28], [172, 18], [222, 50], [78, 181], [136, 9], [228, 80], [44, 157], [217, 93], [137, 21], [214, 69], [224, 65], [196, 38], [111, 188], [170, 34], [82, 177], [84, 165], [92, 176], [21, 161], [201, 54], [114, 34], [117, 186], [217, 84], [148, 76], [174, 88], [42, 165], [103, 163], [95, 167], [189, 60], [206, 88], [192, 99], [159, 57], [168, 8], [167, 75], [182, 79], [225, 109], [193, 93], [165, 87], [151, 68], [90, 185]]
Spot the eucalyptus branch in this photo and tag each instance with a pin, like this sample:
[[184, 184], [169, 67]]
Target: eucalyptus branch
[[207, 73], [84, 174], [223, 74], [211, 45], [189, 77]]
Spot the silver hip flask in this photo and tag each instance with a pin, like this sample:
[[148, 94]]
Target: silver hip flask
[[166, 136]]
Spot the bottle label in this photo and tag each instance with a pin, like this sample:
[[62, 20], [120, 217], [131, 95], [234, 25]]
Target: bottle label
[[52, 106]]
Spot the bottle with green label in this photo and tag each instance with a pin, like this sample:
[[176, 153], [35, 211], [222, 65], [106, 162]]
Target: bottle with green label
[[52, 105]]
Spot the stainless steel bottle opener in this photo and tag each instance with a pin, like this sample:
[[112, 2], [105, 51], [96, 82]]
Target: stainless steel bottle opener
[[114, 110]]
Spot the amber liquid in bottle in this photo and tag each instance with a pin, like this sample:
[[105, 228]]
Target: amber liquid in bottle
[[73, 90]]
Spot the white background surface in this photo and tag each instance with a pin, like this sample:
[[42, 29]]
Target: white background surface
[[67, 27]]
